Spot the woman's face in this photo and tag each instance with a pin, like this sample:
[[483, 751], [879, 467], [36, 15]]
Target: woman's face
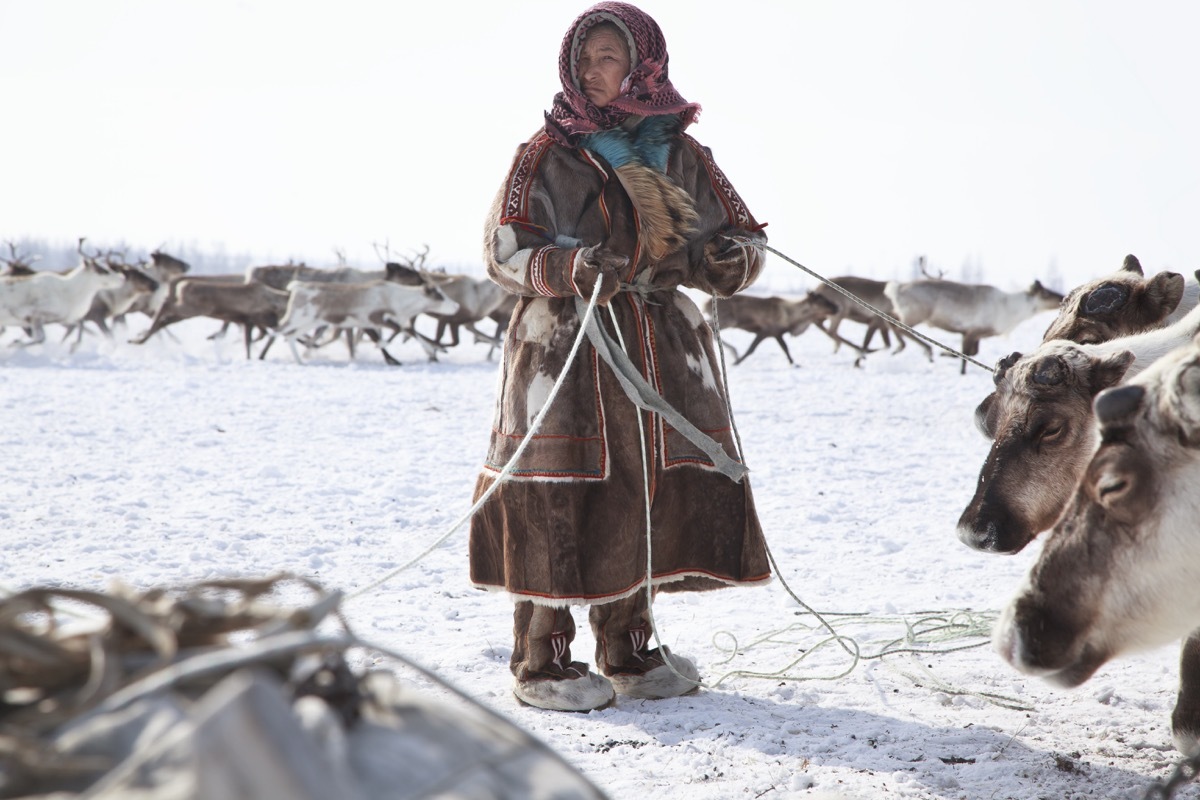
[[603, 64]]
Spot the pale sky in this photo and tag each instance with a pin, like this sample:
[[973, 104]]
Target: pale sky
[[1020, 138]]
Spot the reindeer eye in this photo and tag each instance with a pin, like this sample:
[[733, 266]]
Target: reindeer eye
[[1049, 432], [1110, 487]]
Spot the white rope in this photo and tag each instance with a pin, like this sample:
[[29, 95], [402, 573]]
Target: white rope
[[964, 623], [508, 468]]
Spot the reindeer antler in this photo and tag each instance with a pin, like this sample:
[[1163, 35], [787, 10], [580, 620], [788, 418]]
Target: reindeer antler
[[18, 264]]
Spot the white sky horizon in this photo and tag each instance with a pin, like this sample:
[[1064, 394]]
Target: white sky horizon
[[1019, 141]]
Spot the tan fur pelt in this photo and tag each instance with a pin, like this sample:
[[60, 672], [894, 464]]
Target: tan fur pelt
[[666, 212]]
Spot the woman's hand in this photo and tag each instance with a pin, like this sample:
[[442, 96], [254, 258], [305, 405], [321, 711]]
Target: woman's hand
[[729, 266], [721, 251], [598, 264]]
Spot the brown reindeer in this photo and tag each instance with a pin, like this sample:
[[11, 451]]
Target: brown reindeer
[[771, 318], [1118, 572], [229, 299], [871, 292], [1123, 303], [1043, 431]]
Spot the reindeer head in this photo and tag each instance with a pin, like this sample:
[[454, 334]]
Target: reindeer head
[[1045, 299], [1117, 305], [809, 309], [1118, 571], [1040, 420]]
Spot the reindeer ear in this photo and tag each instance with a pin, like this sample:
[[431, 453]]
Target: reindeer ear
[[1188, 388], [1109, 371], [1165, 291], [1116, 405], [1131, 264], [1003, 366], [985, 416]]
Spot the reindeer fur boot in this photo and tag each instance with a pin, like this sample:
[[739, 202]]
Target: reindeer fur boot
[[654, 679], [586, 692]]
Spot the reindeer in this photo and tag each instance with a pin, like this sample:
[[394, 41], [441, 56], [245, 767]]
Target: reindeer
[[17, 265], [279, 276], [1041, 423], [871, 292], [357, 305], [114, 303], [226, 298], [1123, 303], [163, 268], [477, 298], [770, 317], [1118, 572], [33, 301], [974, 310]]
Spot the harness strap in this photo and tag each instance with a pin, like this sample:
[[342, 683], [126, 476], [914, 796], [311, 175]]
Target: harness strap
[[643, 395]]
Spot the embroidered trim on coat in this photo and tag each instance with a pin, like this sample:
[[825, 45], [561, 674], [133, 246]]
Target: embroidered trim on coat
[[520, 180], [537, 271], [735, 208]]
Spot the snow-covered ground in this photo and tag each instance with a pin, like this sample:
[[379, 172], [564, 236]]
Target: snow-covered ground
[[179, 460]]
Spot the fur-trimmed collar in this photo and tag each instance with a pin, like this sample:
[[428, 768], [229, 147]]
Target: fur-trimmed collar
[[647, 141]]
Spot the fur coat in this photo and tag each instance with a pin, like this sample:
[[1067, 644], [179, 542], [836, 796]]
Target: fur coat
[[568, 526]]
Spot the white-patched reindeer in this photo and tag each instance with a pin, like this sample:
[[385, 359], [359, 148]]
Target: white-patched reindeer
[[476, 298], [34, 301], [1119, 571], [974, 310], [368, 306]]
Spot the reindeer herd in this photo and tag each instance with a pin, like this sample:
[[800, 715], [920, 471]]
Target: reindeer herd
[[299, 304]]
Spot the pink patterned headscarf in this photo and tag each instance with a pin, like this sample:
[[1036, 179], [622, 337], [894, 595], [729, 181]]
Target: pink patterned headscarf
[[646, 91]]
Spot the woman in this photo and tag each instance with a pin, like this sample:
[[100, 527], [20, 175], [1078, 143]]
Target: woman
[[612, 190]]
